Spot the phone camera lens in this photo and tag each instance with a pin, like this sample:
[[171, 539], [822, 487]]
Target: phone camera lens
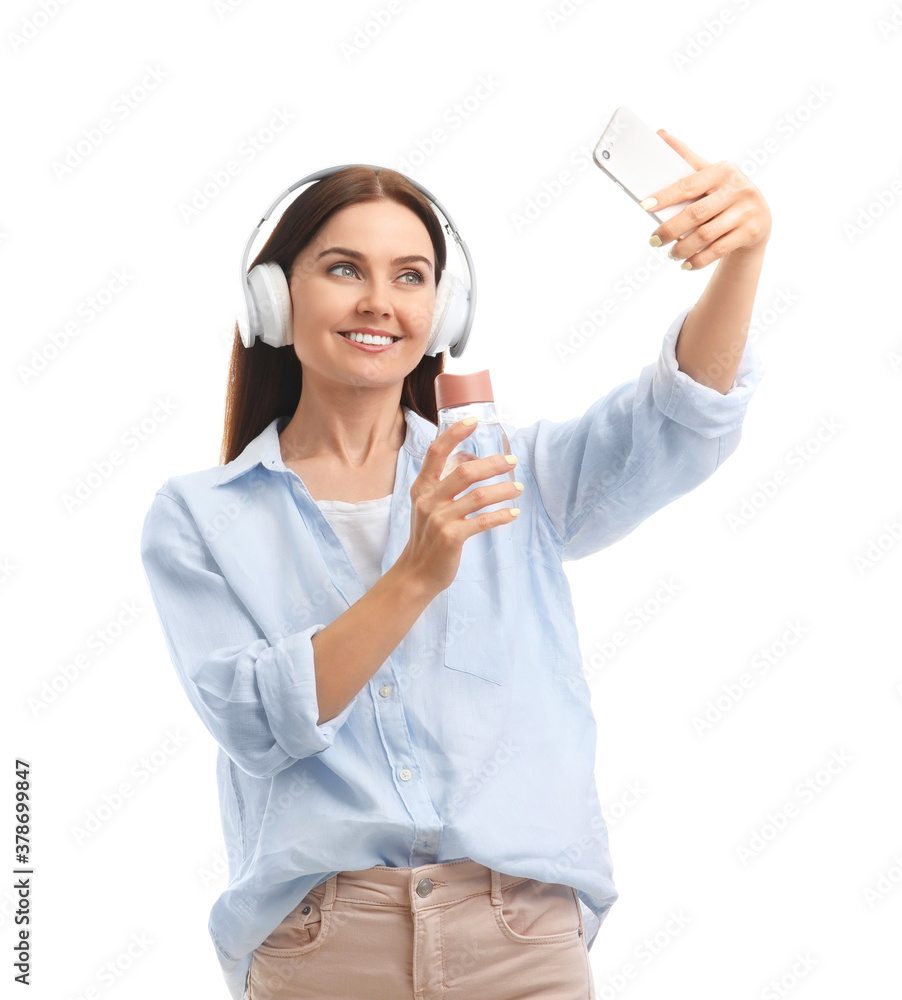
[[606, 154]]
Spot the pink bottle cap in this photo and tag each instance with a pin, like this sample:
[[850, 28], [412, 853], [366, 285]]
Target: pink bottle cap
[[456, 390]]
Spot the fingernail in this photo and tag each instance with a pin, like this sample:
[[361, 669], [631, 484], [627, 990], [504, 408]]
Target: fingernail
[[655, 241], [519, 486], [469, 421], [515, 511], [685, 266], [648, 203], [511, 459]]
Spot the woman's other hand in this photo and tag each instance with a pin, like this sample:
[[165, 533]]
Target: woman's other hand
[[439, 525]]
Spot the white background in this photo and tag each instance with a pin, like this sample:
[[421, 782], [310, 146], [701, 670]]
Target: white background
[[820, 93]]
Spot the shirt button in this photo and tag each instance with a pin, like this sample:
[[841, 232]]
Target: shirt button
[[405, 775], [385, 690], [424, 886]]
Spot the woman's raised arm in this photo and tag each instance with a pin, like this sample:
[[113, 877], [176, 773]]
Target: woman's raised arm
[[642, 445], [731, 224]]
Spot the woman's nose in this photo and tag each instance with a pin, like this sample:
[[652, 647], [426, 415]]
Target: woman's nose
[[375, 300]]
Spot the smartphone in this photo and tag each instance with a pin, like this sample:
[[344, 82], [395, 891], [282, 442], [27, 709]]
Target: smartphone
[[639, 161]]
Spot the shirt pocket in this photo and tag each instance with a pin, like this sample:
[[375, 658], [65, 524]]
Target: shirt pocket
[[481, 618]]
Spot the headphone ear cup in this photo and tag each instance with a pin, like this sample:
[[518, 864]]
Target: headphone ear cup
[[449, 315], [272, 304]]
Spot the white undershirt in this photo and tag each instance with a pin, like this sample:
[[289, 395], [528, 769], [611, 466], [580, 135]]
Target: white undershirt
[[363, 529]]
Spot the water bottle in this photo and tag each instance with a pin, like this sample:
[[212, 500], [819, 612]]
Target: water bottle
[[458, 397]]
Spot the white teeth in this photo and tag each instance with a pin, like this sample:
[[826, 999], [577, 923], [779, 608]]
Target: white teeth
[[367, 338]]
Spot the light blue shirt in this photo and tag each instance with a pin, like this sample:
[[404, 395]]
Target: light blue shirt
[[475, 738]]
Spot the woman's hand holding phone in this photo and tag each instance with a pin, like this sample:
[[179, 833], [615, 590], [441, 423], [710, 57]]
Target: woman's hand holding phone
[[709, 214], [727, 214]]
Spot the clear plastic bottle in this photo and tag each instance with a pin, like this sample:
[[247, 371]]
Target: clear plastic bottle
[[458, 397]]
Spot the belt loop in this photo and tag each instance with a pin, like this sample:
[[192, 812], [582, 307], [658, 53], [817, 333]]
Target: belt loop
[[496, 888], [331, 887], [579, 913]]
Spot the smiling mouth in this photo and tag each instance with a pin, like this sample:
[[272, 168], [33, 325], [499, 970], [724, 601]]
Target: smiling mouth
[[358, 339]]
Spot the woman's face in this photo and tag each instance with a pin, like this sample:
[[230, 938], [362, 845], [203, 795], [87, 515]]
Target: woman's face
[[370, 267]]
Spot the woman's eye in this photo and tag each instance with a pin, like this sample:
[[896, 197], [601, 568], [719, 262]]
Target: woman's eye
[[417, 275]]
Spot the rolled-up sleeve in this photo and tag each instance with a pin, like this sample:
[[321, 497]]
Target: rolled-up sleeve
[[257, 699], [641, 446]]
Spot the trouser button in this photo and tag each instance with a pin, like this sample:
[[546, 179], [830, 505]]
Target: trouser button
[[425, 886]]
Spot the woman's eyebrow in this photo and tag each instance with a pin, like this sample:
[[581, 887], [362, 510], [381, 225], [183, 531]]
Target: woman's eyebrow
[[410, 259]]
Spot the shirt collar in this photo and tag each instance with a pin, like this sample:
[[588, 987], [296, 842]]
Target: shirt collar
[[264, 449]]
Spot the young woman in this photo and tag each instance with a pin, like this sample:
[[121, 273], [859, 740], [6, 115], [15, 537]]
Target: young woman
[[407, 749]]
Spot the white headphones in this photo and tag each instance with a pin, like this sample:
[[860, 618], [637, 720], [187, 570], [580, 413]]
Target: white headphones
[[265, 307]]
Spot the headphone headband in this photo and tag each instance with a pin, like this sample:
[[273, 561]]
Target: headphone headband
[[267, 302]]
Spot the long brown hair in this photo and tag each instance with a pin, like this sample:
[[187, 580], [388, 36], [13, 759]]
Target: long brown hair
[[265, 382]]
